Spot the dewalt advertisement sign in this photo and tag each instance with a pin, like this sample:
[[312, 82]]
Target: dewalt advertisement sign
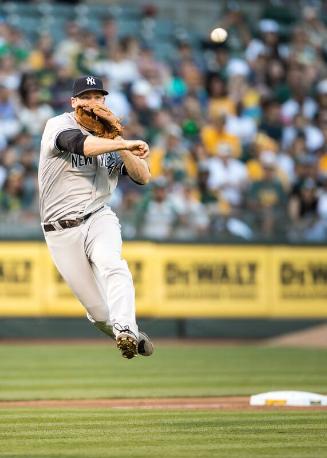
[[300, 276], [179, 281], [211, 281], [20, 279]]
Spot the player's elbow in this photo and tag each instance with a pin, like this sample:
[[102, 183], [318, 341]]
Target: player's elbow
[[146, 178], [87, 147], [143, 178]]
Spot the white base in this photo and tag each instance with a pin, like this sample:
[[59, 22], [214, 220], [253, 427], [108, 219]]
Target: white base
[[288, 398]]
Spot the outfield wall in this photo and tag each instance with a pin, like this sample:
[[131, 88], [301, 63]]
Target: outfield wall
[[179, 281]]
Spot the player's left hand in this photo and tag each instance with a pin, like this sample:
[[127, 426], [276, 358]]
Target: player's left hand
[[98, 119]]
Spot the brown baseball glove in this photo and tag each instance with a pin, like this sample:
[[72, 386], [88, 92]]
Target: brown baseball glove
[[98, 120]]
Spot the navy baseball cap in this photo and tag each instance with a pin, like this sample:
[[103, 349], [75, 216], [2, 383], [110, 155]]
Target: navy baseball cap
[[87, 83]]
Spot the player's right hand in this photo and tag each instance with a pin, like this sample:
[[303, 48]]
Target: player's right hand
[[143, 153], [138, 148]]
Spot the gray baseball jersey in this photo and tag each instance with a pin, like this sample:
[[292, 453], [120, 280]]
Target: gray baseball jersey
[[72, 185]]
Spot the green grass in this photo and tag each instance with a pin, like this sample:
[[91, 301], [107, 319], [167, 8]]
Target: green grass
[[97, 371], [103, 433]]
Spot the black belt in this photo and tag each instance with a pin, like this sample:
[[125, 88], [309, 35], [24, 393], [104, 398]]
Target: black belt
[[67, 223]]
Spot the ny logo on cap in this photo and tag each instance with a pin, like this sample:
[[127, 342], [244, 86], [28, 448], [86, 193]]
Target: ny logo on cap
[[90, 81]]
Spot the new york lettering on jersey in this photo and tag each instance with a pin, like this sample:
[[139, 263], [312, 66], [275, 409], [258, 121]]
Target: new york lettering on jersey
[[110, 161]]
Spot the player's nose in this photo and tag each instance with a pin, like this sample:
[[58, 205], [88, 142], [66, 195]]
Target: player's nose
[[95, 99]]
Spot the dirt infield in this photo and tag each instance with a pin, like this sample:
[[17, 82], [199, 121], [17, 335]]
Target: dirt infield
[[149, 403], [217, 403], [315, 336]]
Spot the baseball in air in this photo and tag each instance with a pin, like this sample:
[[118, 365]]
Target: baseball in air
[[218, 35]]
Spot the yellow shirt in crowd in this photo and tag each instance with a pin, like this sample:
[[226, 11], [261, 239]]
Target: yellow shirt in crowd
[[212, 139]]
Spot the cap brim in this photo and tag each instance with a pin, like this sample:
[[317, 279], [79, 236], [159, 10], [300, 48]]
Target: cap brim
[[89, 90]]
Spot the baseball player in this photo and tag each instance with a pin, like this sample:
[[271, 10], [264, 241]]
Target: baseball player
[[78, 171]]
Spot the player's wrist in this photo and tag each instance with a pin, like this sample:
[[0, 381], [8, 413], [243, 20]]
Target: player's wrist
[[124, 153], [123, 144]]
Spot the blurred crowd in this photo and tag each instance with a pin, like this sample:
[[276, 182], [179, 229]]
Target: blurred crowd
[[238, 131]]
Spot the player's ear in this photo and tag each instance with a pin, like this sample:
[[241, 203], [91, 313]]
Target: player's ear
[[73, 101]]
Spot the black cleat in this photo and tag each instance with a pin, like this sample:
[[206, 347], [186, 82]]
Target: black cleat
[[145, 346]]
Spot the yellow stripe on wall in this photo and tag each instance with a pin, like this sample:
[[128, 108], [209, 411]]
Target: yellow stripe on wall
[[179, 281]]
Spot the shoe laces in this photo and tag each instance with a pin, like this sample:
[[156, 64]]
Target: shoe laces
[[121, 328]]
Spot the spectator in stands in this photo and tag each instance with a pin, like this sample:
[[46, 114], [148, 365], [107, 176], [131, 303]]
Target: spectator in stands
[[118, 102], [218, 98], [141, 97], [15, 44], [117, 66], [242, 92], [46, 77], [242, 125], [150, 68], [268, 43], [215, 134], [306, 166], [157, 213], [171, 157], [208, 196], [8, 113], [302, 126], [89, 53], [185, 55], [266, 199], [61, 89], [315, 27], [303, 52], [193, 79], [12, 194], [34, 113], [108, 37], [191, 119], [127, 213], [299, 100], [307, 209], [271, 123], [9, 72], [4, 32], [157, 132], [42, 49], [69, 48], [219, 62], [276, 87], [303, 203], [192, 220], [227, 176]]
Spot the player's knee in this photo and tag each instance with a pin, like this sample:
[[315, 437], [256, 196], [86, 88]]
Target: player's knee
[[117, 267], [97, 313]]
